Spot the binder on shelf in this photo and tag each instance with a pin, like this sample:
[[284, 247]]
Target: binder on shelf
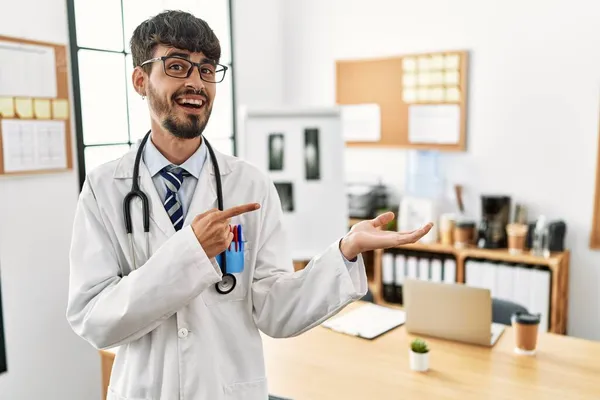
[[449, 270], [400, 274], [412, 270], [505, 284], [423, 262], [399, 264], [436, 269], [539, 295], [387, 277]]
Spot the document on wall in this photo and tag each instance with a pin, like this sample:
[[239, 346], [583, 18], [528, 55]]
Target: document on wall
[[33, 145], [368, 321], [434, 123], [361, 122], [27, 70]]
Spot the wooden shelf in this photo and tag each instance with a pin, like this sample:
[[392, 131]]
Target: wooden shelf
[[488, 254], [557, 263]]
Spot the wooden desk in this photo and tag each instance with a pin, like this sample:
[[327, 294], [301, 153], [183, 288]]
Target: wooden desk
[[322, 364]]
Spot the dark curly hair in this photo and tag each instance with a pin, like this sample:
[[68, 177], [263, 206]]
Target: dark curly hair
[[175, 29]]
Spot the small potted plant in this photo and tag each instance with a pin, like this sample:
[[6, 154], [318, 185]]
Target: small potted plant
[[419, 355]]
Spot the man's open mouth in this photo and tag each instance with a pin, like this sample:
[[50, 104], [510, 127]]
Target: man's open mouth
[[190, 103]]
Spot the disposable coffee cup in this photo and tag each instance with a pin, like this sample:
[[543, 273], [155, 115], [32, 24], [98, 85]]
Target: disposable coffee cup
[[525, 327], [517, 235], [464, 233]]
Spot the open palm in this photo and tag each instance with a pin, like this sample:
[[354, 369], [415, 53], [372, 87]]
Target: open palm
[[368, 235]]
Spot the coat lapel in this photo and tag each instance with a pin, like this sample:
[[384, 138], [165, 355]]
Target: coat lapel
[[158, 214], [205, 194]]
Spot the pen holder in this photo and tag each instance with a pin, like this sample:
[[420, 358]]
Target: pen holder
[[235, 259]]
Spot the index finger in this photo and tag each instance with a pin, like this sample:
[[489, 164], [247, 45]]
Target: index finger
[[237, 210]]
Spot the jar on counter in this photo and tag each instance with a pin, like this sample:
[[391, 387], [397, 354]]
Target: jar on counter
[[447, 226]]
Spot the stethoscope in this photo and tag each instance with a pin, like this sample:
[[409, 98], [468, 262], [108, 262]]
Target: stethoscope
[[228, 281]]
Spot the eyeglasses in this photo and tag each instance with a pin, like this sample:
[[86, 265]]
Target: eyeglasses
[[181, 68]]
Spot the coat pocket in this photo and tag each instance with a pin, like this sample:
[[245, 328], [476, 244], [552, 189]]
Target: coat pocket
[[211, 296], [251, 390]]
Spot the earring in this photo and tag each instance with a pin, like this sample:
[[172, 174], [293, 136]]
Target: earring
[[143, 97]]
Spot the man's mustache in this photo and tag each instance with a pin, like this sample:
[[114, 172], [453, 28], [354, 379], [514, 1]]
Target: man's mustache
[[200, 92]]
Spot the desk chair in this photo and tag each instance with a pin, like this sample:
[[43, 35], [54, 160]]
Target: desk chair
[[368, 297], [502, 310]]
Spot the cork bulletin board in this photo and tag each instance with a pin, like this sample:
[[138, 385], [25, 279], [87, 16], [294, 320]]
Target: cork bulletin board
[[35, 121], [422, 98]]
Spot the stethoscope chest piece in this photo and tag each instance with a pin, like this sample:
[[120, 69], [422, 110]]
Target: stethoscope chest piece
[[227, 284]]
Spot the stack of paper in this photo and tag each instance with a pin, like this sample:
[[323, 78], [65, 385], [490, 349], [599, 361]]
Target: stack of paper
[[367, 321]]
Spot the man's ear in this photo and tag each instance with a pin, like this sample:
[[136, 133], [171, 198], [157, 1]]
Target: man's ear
[[139, 79]]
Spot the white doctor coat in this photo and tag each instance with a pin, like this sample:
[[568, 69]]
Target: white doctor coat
[[177, 337]]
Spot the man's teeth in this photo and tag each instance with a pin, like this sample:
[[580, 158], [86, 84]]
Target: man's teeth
[[191, 102]]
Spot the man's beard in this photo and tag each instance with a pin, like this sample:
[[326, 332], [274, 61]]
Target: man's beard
[[191, 128]]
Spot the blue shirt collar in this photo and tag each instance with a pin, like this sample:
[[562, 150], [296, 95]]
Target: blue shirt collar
[[155, 161]]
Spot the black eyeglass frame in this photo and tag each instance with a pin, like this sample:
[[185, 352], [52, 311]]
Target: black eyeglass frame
[[194, 64]]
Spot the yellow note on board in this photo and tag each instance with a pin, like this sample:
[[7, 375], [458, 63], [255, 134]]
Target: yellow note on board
[[24, 107], [60, 109], [452, 94], [7, 107], [41, 108], [409, 95]]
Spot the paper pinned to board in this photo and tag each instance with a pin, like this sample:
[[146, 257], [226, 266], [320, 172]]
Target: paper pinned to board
[[409, 95], [27, 70], [33, 145], [24, 107], [434, 123], [361, 122], [7, 107], [452, 61], [60, 109], [41, 108]]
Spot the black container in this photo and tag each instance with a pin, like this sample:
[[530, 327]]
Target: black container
[[495, 214], [557, 231]]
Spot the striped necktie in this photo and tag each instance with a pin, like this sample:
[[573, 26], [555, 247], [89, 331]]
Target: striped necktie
[[173, 177]]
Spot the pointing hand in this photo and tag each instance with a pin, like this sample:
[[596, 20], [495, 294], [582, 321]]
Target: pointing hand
[[367, 235], [212, 228]]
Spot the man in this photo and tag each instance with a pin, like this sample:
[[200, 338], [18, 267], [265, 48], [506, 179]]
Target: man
[[178, 336]]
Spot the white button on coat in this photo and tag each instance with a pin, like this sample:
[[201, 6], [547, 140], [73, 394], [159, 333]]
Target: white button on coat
[[183, 333]]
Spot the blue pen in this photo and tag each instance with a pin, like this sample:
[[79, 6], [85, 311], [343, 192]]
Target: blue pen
[[240, 237]]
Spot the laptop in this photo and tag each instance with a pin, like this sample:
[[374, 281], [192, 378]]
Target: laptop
[[450, 311]]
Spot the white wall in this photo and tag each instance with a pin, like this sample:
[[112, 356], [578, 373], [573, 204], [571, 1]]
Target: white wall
[[258, 58], [46, 360], [535, 74]]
